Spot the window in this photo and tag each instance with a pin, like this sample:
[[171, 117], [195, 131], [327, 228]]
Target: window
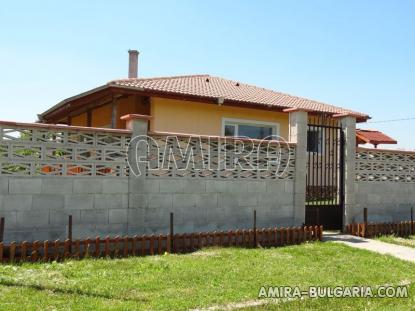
[[314, 141], [247, 128]]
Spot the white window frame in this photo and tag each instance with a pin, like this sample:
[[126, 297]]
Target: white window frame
[[227, 121]]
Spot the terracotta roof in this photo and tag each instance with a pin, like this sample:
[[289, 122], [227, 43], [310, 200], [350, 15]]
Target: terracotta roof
[[373, 137], [206, 86]]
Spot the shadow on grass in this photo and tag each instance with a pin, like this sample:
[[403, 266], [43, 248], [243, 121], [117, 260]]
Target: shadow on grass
[[68, 291]]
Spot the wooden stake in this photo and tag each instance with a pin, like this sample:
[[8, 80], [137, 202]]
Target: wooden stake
[[365, 221], [255, 231], [171, 232], [70, 233], [2, 229], [412, 221]]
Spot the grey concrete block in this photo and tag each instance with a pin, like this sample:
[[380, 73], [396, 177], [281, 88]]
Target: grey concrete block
[[227, 200], [19, 236], [87, 185], [194, 186], [185, 200], [215, 186], [94, 217], [159, 217], [247, 199], [207, 201], [257, 186], [80, 231], [118, 216], [51, 234], [276, 186], [25, 185], [4, 185], [32, 219], [59, 185], [48, 201], [289, 187], [107, 201], [112, 230], [236, 186], [171, 185], [136, 218], [115, 185], [138, 201], [160, 201], [79, 201], [17, 202], [144, 185], [274, 200], [9, 218], [61, 218]]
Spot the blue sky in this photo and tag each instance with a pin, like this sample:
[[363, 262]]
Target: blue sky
[[355, 54]]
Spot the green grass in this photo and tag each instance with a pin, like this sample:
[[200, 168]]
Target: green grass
[[409, 241], [205, 278]]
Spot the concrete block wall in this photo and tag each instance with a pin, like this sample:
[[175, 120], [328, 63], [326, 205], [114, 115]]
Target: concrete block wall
[[206, 205], [37, 208], [385, 201]]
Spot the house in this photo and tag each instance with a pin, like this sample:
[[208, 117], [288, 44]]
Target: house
[[193, 104], [75, 161]]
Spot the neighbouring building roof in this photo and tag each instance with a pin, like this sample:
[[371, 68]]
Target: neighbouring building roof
[[216, 87], [373, 137], [211, 89]]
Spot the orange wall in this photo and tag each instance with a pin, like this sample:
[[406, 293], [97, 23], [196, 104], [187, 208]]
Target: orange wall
[[79, 120], [171, 115], [101, 117]]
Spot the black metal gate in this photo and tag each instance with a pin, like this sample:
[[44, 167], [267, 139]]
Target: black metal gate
[[325, 174]]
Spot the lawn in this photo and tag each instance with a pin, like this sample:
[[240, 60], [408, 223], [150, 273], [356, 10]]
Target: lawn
[[206, 278], [409, 241]]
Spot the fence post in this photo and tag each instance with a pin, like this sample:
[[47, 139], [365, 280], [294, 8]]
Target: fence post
[[412, 221], [1, 229], [365, 221], [70, 233], [255, 230], [171, 233]]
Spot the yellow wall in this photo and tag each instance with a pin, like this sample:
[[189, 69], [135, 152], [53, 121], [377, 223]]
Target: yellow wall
[[205, 119]]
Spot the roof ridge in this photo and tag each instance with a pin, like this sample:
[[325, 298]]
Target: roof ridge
[[159, 78]]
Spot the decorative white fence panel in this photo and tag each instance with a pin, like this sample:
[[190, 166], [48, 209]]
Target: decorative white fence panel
[[30, 150], [385, 166], [213, 157]]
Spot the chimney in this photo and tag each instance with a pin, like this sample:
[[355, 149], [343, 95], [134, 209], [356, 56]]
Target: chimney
[[133, 63]]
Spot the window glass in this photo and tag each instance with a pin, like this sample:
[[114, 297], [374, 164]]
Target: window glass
[[254, 131], [230, 130], [248, 129]]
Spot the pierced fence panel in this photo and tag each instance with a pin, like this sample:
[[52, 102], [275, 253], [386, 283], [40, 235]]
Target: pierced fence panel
[[37, 150], [214, 157], [373, 165]]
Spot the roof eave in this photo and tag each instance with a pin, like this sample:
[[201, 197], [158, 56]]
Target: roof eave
[[70, 99]]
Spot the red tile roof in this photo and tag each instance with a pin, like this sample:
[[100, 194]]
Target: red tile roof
[[205, 86], [373, 137]]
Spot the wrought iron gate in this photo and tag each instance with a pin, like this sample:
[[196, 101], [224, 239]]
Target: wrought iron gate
[[325, 174]]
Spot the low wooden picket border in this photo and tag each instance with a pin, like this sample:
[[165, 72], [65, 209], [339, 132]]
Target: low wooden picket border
[[369, 230], [143, 245]]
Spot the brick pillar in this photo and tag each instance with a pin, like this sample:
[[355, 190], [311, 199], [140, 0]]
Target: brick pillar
[[348, 123], [298, 135], [138, 124]]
